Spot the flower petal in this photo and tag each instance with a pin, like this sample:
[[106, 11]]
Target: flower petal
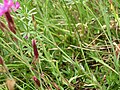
[[17, 5], [1, 10], [10, 3]]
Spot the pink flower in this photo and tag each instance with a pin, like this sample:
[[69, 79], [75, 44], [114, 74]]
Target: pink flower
[[26, 37], [7, 6]]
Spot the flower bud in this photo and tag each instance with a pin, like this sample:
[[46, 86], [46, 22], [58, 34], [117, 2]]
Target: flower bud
[[1, 61], [36, 55], [36, 81]]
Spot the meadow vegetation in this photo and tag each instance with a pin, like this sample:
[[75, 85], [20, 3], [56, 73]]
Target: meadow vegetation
[[61, 45]]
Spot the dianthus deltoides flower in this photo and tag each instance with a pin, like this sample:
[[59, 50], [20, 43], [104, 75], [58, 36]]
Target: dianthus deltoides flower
[[5, 9]]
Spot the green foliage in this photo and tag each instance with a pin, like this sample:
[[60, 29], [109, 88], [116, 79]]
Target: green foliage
[[75, 44]]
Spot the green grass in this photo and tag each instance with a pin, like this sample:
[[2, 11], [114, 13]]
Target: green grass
[[75, 41]]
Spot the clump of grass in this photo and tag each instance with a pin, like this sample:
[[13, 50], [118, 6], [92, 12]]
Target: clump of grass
[[62, 45]]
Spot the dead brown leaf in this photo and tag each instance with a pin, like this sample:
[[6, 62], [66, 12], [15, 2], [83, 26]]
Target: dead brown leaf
[[10, 83]]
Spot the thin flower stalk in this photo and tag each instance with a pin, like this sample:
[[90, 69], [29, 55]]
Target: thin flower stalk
[[3, 26]]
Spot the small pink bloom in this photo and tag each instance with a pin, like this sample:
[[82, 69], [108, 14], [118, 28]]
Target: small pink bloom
[[36, 55], [8, 3], [17, 5], [7, 6], [26, 37], [36, 80]]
